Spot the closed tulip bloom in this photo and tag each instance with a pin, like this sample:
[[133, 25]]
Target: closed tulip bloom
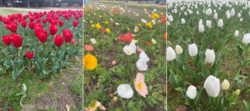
[[239, 15], [183, 21], [23, 24], [58, 40], [53, 29], [232, 12], [125, 91], [16, 40], [225, 85], [210, 56], [215, 16], [73, 41], [212, 86], [200, 22], [12, 26], [208, 23], [236, 33], [30, 55], [6, 40], [170, 54], [42, 36], [201, 28], [170, 18], [209, 11], [191, 92], [178, 49], [67, 35], [220, 23], [61, 23], [192, 49], [246, 38], [31, 25], [241, 19], [228, 15], [75, 23]]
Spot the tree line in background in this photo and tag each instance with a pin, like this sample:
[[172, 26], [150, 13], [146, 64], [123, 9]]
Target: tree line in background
[[40, 3]]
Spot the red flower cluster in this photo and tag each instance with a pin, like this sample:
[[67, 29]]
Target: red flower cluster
[[126, 38]]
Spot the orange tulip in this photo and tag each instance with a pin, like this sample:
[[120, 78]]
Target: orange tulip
[[165, 36]]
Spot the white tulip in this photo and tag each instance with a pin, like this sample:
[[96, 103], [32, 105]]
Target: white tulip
[[236, 33], [168, 23], [212, 86], [220, 23], [178, 49], [215, 16], [132, 44], [232, 12], [225, 85], [141, 64], [228, 15], [93, 40], [239, 15], [197, 12], [201, 28], [170, 18], [210, 56], [185, 13], [170, 54], [246, 38], [192, 49], [153, 22], [241, 19], [127, 50], [208, 23], [200, 22], [125, 91], [183, 21], [209, 11], [191, 92]]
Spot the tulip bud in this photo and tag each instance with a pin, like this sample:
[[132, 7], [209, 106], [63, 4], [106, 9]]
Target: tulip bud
[[201, 28], [220, 23], [170, 54], [237, 92], [200, 22], [170, 18], [183, 21], [246, 38], [191, 92], [212, 86], [225, 85], [208, 23], [236, 33], [232, 12], [210, 56], [215, 16], [239, 15], [193, 50], [241, 19], [178, 49]]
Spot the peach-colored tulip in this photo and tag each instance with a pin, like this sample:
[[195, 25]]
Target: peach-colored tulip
[[140, 85], [133, 35], [88, 47]]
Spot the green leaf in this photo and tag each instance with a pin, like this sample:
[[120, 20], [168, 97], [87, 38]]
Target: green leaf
[[246, 105], [198, 95]]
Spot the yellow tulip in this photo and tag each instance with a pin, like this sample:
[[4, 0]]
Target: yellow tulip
[[108, 30]]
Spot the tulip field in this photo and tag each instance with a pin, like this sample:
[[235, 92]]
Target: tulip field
[[124, 59], [40, 59], [207, 56]]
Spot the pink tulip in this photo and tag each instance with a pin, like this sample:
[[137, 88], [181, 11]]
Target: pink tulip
[[113, 62], [133, 35], [139, 50]]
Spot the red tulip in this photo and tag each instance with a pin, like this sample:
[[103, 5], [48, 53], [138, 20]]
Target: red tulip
[[58, 40], [54, 22], [16, 40], [30, 55], [5, 20], [42, 36], [23, 24], [61, 23], [122, 38], [76, 17], [67, 35], [75, 23], [6, 40], [102, 29], [38, 20], [148, 43], [31, 25], [1, 17], [44, 21], [53, 29], [32, 18], [12, 26], [73, 41], [79, 40]]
